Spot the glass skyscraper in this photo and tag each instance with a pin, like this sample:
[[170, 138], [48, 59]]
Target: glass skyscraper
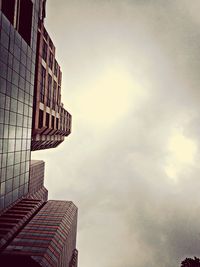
[[17, 73]]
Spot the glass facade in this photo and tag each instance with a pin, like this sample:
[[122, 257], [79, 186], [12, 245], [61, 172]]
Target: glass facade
[[17, 71]]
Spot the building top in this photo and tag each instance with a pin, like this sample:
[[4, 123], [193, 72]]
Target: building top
[[51, 121]]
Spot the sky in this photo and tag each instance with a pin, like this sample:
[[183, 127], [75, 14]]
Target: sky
[[131, 165]]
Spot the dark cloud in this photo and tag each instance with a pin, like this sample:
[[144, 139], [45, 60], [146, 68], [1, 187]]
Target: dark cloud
[[131, 214]]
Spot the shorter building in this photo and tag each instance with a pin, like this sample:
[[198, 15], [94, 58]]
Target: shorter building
[[51, 122], [13, 219], [48, 238]]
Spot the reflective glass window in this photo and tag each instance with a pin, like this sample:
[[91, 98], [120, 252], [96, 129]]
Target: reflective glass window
[[18, 144], [16, 64], [9, 173], [2, 85], [16, 169], [12, 130], [3, 174], [18, 132], [2, 189], [7, 103], [13, 106], [17, 157], [8, 186], [4, 160], [5, 134], [15, 194], [2, 100], [16, 182], [19, 120], [14, 91], [13, 118], [10, 159], [20, 107], [8, 199], [8, 88], [11, 145], [21, 179], [15, 78]]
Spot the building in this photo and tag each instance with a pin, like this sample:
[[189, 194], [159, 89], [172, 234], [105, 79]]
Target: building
[[33, 230], [36, 189], [48, 239], [51, 122], [18, 35], [13, 219]]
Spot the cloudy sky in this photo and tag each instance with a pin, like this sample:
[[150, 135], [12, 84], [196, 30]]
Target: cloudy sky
[[131, 165]]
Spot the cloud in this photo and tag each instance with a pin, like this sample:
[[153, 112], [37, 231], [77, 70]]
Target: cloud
[[130, 80]]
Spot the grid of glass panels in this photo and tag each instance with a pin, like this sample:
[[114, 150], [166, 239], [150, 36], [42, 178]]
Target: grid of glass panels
[[17, 71]]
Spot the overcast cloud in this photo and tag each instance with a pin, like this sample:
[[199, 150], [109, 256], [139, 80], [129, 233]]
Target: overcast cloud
[[131, 165]]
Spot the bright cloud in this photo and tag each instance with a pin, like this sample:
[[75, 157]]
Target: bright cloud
[[182, 152], [109, 97]]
